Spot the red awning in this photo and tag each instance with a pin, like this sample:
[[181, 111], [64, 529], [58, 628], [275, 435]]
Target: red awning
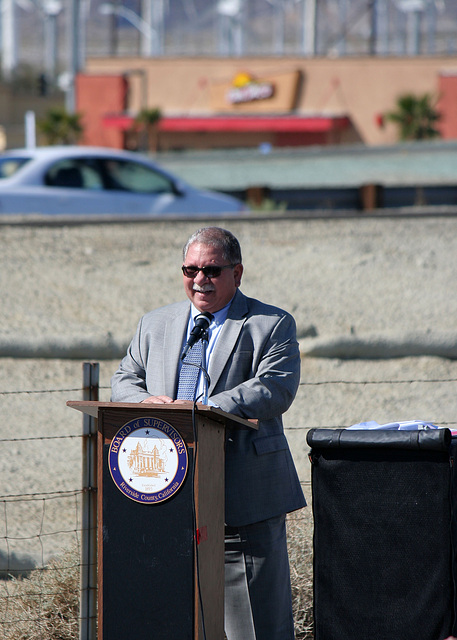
[[291, 124], [118, 121]]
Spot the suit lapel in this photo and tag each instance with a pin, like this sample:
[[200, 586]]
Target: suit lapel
[[173, 338], [227, 338]]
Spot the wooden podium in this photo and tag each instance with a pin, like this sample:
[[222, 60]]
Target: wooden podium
[[161, 564]]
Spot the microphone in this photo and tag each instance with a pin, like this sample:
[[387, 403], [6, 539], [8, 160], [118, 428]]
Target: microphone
[[202, 322]]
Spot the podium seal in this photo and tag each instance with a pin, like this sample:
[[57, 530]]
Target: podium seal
[[148, 460]]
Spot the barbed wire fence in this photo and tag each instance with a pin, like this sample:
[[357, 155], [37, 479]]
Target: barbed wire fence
[[37, 525]]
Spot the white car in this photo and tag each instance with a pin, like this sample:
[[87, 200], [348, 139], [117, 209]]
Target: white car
[[89, 180]]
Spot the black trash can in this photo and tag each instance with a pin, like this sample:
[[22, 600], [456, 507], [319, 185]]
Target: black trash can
[[384, 534]]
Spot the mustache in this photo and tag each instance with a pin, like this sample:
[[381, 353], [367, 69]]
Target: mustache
[[204, 288]]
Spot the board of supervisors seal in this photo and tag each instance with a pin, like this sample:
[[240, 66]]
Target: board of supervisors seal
[[148, 460]]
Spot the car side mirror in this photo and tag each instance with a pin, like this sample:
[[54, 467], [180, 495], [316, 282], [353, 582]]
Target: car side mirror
[[178, 188]]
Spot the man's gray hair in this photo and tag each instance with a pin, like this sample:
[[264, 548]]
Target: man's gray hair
[[219, 239]]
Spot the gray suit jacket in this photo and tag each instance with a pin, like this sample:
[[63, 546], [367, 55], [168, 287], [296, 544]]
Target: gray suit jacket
[[254, 371]]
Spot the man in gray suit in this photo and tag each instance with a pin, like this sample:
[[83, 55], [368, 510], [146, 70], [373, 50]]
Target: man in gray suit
[[253, 363]]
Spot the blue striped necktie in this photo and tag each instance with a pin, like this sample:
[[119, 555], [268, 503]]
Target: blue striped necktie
[[190, 370]]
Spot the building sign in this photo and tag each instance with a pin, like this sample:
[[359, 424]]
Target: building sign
[[258, 91], [245, 88]]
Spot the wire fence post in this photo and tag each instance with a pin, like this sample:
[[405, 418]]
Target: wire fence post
[[88, 599]]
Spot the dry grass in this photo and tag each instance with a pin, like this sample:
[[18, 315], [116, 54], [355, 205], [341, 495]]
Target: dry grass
[[45, 605], [300, 540]]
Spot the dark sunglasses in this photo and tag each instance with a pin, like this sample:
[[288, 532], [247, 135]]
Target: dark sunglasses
[[209, 272]]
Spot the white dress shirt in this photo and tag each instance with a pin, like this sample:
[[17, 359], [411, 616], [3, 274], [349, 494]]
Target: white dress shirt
[[214, 330]]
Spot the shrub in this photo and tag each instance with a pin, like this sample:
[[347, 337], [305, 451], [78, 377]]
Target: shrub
[[416, 117], [60, 127]]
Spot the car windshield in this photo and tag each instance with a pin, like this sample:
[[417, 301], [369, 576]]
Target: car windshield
[[132, 176], [10, 164], [107, 174]]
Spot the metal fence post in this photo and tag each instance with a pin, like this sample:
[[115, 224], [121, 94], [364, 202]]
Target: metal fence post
[[88, 598]]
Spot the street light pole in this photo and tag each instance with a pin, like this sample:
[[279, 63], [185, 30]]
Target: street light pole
[[9, 38], [51, 8], [145, 28], [309, 31], [230, 27], [153, 15], [74, 53]]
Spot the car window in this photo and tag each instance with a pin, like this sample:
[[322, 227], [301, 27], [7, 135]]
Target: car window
[[136, 177], [75, 174], [9, 166]]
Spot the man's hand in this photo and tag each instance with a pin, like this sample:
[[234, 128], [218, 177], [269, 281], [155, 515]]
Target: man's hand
[[158, 400], [166, 400]]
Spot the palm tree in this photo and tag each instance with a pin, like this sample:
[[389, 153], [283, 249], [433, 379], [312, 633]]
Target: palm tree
[[60, 127], [416, 117], [149, 119]]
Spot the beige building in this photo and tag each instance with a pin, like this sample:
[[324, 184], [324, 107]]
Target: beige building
[[223, 102]]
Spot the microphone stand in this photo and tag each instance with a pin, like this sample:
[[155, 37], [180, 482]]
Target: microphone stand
[[205, 373]]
